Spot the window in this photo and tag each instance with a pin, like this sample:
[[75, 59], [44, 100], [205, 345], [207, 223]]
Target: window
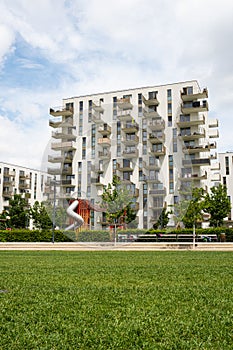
[[169, 120], [169, 108], [80, 106], [139, 99], [227, 165], [169, 94], [152, 95]]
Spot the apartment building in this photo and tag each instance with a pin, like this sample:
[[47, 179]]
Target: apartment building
[[157, 140], [15, 179]]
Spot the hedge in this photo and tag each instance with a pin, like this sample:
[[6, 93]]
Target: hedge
[[22, 235], [199, 231]]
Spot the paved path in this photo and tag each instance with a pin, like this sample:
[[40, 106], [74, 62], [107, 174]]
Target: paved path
[[133, 246]]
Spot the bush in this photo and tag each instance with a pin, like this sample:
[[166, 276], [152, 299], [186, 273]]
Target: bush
[[23, 235]]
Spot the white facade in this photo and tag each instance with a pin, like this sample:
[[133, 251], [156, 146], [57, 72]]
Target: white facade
[[15, 179], [226, 172], [158, 140]]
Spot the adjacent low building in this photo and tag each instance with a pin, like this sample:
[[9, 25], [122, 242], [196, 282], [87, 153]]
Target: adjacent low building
[[15, 179]]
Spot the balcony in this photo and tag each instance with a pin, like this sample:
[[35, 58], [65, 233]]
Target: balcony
[[186, 97], [24, 186], [213, 123], [156, 124], [187, 121], [105, 129], [130, 153], [213, 134], [150, 166], [7, 182], [125, 116], [97, 118], [199, 148], [24, 177], [130, 127], [67, 122], [196, 162], [70, 145], [215, 166], [105, 155], [156, 138], [67, 183], [7, 193], [60, 171], [158, 192], [124, 103], [9, 173], [61, 111], [150, 113], [130, 140], [97, 107], [97, 168], [124, 166], [54, 124], [63, 135], [187, 136], [150, 101], [194, 107], [193, 177], [158, 151], [152, 178], [104, 141], [96, 181], [216, 177], [60, 159]]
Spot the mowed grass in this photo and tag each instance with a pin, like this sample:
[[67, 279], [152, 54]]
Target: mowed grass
[[116, 300]]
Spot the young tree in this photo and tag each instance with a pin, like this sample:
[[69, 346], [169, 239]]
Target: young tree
[[18, 212], [163, 219], [40, 217], [117, 200], [217, 204], [194, 212]]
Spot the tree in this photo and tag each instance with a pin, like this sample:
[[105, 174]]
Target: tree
[[217, 204], [163, 219], [194, 212], [18, 212], [40, 217], [117, 201]]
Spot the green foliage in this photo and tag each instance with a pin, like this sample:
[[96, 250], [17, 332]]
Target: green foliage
[[217, 204], [163, 219], [117, 201], [194, 212], [18, 212], [60, 214], [116, 300], [23, 235], [40, 217]]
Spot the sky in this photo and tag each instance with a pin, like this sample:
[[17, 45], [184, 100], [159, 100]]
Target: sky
[[54, 49]]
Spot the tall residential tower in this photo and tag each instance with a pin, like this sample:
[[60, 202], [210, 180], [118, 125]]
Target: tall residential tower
[[158, 140]]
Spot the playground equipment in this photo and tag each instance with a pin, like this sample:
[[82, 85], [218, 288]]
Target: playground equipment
[[79, 211]]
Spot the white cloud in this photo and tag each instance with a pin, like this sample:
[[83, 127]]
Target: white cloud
[[101, 45]]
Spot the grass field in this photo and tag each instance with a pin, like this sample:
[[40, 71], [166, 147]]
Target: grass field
[[116, 300]]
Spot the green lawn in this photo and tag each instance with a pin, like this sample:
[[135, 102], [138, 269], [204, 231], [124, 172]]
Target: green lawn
[[116, 300]]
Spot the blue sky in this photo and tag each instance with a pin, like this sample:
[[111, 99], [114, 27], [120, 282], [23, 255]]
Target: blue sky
[[52, 49]]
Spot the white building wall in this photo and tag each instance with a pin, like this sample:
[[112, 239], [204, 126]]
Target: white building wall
[[226, 171]]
